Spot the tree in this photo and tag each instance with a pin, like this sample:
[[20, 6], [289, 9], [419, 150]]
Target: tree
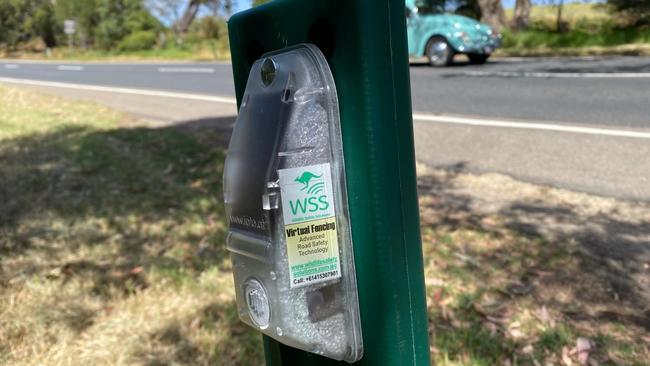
[[42, 23], [192, 9], [188, 16], [119, 18], [11, 24], [83, 12], [182, 20], [260, 2], [637, 10], [22, 20], [492, 13], [522, 14], [559, 27]]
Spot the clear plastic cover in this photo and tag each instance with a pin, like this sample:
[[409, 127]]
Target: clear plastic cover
[[285, 194]]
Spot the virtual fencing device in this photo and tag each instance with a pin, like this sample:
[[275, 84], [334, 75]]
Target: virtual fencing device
[[286, 201]]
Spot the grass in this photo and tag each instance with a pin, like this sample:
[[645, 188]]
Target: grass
[[506, 298], [112, 253], [571, 13], [198, 51], [111, 242], [627, 41], [591, 29]]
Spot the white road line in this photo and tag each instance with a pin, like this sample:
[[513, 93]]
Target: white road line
[[530, 126], [207, 70], [416, 116], [586, 75], [12, 66], [69, 68], [111, 89]]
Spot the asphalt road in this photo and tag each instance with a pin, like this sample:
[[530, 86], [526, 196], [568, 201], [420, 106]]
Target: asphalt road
[[529, 89], [576, 123]]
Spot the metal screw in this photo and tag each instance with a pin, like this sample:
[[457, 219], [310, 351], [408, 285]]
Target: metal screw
[[268, 71]]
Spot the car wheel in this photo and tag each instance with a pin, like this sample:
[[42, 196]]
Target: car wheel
[[477, 59], [439, 52]]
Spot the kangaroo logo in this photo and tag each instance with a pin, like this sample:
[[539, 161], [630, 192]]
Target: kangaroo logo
[[305, 178]]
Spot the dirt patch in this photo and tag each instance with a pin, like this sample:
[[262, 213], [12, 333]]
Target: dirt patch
[[581, 261]]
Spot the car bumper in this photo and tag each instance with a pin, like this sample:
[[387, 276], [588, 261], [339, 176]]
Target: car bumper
[[482, 47]]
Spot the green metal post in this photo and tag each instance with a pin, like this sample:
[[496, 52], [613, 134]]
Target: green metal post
[[365, 45]]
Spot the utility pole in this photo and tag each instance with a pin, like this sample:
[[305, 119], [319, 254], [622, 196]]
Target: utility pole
[[364, 45]]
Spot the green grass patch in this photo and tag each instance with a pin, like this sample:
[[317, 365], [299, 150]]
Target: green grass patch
[[552, 340], [543, 39]]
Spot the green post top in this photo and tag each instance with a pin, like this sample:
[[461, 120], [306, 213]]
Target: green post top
[[365, 44]]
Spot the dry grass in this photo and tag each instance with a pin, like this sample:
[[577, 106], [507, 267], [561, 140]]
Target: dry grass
[[111, 242], [111, 253], [202, 51], [571, 13], [586, 30]]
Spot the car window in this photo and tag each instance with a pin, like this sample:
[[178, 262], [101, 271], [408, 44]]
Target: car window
[[430, 7]]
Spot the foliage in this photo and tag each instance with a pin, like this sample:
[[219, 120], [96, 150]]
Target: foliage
[[101, 22], [588, 25], [259, 2], [638, 9], [43, 23], [208, 28], [119, 18], [140, 40], [22, 20], [605, 36], [83, 12]]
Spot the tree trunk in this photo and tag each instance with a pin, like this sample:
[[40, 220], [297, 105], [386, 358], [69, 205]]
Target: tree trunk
[[188, 16], [522, 14], [559, 26], [492, 13]]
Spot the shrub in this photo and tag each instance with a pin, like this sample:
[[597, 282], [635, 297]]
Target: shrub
[[137, 41]]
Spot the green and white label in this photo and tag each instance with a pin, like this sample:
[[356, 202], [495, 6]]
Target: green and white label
[[310, 224]]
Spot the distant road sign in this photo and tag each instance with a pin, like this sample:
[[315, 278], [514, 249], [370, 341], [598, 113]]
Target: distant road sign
[[69, 26]]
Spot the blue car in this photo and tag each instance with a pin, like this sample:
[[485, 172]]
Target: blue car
[[439, 36]]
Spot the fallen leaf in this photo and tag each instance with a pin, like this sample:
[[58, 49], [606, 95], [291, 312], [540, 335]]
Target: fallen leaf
[[582, 349], [516, 333], [529, 349], [593, 362], [566, 359], [543, 315], [496, 320], [437, 295]]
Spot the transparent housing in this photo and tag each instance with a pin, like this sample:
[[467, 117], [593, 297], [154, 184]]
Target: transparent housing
[[286, 202]]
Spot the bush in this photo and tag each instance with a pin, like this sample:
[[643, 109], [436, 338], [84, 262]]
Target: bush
[[604, 36], [138, 41], [207, 28]]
